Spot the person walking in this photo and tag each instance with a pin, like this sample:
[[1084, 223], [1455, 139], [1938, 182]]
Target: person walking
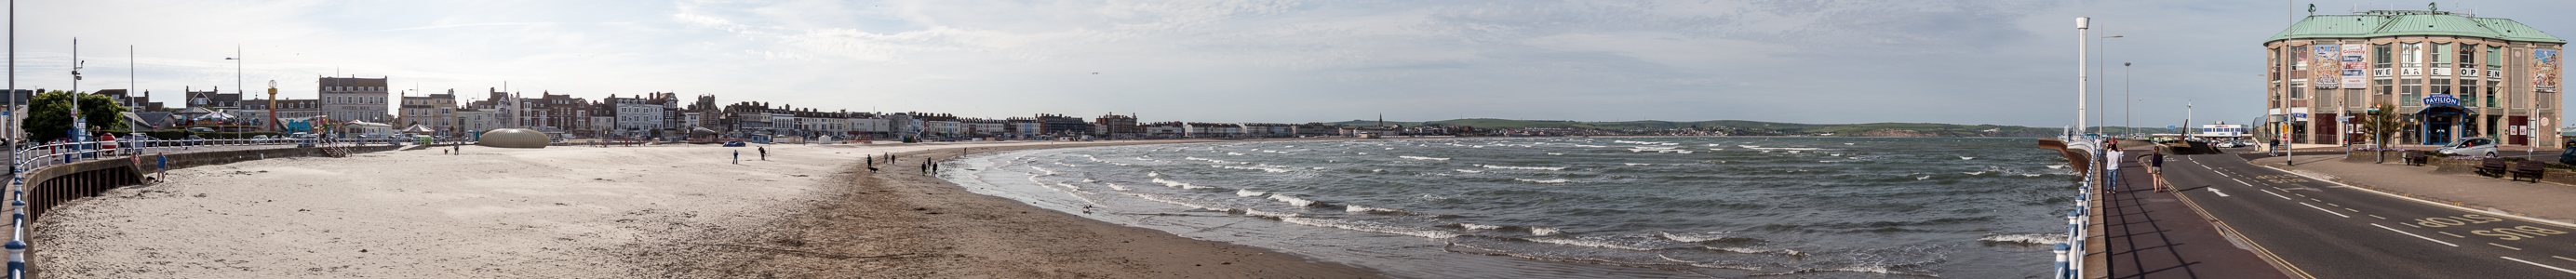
[[2156, 169], [737, 157], [764, 153]]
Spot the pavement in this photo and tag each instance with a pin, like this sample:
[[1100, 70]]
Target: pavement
[[2146, 234], [2310, 224]]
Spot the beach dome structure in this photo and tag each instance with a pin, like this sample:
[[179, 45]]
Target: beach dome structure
[[513, 138]]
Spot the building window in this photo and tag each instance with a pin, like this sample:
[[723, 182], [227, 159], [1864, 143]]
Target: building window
[[2412, 55], [2436, 53], [2441, 86], [2379, 56], [2468, 55]]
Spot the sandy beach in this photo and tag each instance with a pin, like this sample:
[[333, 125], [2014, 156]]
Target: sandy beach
[[809, 211]]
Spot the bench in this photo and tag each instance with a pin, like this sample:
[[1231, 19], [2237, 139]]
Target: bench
[[2494, 166], [2532, 168], [2416, 158]]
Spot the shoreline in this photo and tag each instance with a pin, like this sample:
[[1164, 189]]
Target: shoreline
[[942, 230], [580, 212]]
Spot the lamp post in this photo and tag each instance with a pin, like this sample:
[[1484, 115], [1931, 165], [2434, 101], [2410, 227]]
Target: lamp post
[[2125, 107], [2102, 101]]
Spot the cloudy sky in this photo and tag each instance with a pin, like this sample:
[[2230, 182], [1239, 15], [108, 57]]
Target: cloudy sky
[[1967, 62]]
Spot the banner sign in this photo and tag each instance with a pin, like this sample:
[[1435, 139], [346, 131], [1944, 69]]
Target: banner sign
[[2326, 64], [2353, 67], [2441, 99], [2544, 70]]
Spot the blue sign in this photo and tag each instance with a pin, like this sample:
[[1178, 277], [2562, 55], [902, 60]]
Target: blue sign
[[2441, 99], [2299, 115]]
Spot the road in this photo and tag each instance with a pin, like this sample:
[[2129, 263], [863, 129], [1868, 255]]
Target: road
[[2316, 229]]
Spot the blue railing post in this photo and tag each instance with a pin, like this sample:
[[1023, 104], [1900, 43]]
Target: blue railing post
[[2064, 270]]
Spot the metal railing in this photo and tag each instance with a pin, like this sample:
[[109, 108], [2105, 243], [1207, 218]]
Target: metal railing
[[2070, 254], [33, 158]]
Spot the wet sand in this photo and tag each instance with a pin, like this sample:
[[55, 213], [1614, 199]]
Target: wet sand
[[811, 211]]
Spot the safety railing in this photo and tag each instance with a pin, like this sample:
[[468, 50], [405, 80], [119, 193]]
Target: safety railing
[[39, 157], [2070, 253]]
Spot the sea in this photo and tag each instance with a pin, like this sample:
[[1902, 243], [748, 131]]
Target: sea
[[1648, 207]]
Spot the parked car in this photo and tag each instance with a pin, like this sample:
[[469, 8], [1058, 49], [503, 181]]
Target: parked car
[[2470, 147], [2569, 156]]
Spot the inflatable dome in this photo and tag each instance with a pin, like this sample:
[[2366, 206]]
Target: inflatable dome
[[513, 138]]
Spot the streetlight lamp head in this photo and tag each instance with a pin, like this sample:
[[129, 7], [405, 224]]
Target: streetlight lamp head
[[230, 58]]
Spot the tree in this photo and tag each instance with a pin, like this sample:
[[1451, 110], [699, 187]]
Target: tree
[[49, 115], [2379, 124]]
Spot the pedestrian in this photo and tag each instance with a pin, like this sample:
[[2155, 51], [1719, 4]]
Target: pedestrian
[[737, 157], [925, 167], [872, 162], [764, 153], [2156, 168]]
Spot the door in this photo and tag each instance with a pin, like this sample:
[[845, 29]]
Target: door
[[2437, 129]]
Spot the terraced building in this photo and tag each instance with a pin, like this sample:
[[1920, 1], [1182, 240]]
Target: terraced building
[[2453, 75]]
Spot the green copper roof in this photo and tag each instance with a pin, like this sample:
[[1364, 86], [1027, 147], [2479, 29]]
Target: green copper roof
[[2414, 23]]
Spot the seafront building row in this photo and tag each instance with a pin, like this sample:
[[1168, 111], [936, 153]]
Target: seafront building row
[[364, 103]]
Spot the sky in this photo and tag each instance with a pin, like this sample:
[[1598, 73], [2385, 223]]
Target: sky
[[2007, 62]]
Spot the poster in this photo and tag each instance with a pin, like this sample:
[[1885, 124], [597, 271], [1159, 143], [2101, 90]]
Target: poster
[[2544, 70], [2353, 67], [2326, 65]]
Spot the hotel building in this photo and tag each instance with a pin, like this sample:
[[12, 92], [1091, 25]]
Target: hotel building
[[2451, 75]]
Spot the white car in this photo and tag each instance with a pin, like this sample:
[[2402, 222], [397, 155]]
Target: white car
[[2470, 147]]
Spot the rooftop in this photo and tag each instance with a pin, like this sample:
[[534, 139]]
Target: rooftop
[[2382, 23]]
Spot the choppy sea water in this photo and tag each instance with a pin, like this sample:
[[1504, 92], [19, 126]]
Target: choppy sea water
[[1578, 207]]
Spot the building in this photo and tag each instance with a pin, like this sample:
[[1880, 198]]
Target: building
[[1164, 130], [436, 111], [1060, 125], [640, 115], [1119, 126], [258, 110], [130, 101], [350, 99], [212, 99], [2454, 75]]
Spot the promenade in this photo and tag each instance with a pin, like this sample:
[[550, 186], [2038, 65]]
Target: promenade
[[2328, 218]]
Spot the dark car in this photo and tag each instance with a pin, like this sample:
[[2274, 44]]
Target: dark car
[[2569, 156]]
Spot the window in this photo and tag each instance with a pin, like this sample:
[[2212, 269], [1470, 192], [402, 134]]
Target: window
[[2468, 55], [2379, 56], [2412, 55]]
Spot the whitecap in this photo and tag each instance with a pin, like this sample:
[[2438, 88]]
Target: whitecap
[[1479, 227], [1249, 193], [1639, 164], [1556, 154], [2037, 238], [1923, 177], [1974, 173], [1521, 168], [1373, 210], [1423, 158], [1470, 171], [1967, 158], [1550, 181], [1545, 231], [1586, 243], [1294, 200], [1368, 227]]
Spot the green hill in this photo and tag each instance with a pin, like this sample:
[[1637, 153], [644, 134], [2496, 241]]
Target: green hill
[[1760, 127]]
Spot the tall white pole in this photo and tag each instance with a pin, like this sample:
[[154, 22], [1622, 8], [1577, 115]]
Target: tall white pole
[[2082, 81]]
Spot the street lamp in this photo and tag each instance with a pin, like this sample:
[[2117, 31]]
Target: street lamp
[[2099, 116]]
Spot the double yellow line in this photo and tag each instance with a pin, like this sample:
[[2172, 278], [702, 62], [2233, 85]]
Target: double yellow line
[[2230, 232]]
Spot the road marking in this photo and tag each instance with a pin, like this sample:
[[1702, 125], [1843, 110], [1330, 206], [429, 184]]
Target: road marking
[[2353, 210], [2215, 191], [2273, 194], [2242, 182], [2541, 265], [2377, 216], [2453, 235], [2335, 205], [2310, 199], [2324, 209], [2563, 258], [2506, 247], [2417, 236]]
